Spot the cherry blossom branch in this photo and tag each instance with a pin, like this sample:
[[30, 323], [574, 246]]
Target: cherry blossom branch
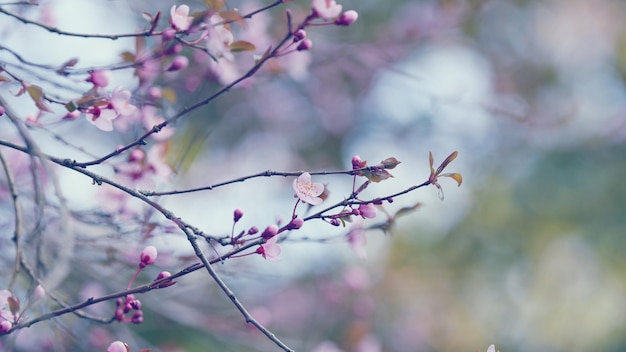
[[268, 173], [146, 33], [269, 54], [170, 216], [17, 234]]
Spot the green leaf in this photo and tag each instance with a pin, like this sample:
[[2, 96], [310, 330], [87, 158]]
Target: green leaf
[[242, 45], [71, 106]]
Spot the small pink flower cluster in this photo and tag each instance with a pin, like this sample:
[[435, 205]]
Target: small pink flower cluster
[[129, 304]]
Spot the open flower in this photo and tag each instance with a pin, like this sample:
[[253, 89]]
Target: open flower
[[435, 174], [270, 249], [326, 9], [306, 190], [180, 19]]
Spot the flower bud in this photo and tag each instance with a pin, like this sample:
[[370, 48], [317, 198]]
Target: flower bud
[[253, 230], [99, 78], [5, 326], [295, 224], [270, 231], [304, 45], [1, 110], [237, 214], [137, 317], [180, 62], [347, 18], [118, 346], [38, 293], [163, 275], [299, 35], [168, 34], [148, 256], [174, 49]]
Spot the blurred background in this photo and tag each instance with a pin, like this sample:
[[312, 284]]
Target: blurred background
[[527, 254]]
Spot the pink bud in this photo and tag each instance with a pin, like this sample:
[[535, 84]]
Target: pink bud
[[163, 275], [136, 155], [38, 293], [1, 110], [155, 93], [180, 62], [5, 326], [347, 18], [137, 317], [148, 256], [305, 44], [253, 230], [118, 346], [299, 35], [270, 232], [168, 34], [174, 49], [356, 162], [99, 78], [237, 214], [295, 224], [335, 222]]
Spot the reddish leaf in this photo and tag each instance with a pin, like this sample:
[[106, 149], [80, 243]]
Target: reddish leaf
[[36, 93], [128, 56], [390, 163], [233, 16]]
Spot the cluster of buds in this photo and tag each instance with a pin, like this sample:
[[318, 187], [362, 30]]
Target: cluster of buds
[[128, 310]]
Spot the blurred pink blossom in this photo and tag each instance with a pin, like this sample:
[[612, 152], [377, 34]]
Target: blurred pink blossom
[[326, 9], [118, 346], [180, 19]]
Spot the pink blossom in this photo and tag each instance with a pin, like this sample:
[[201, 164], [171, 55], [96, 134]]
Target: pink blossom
[[99, 78], [120, 101], [151, 118], [307, 191], [356, 238], [101, 118], [367, 211], [326, 9], [270, 250], [118, 346], [219, 39], [148, 256], [179, 17]]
